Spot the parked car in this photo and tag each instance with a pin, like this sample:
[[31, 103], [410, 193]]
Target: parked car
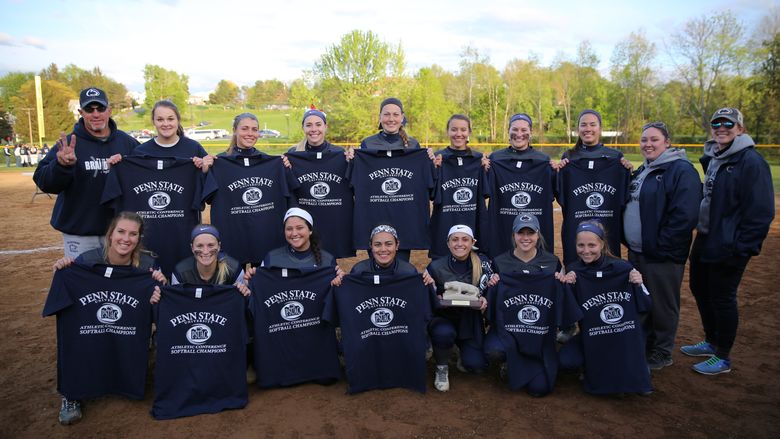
[[270, 133], [201, 134]]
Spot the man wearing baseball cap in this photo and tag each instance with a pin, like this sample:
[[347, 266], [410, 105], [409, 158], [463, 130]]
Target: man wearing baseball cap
[[736, 211], [76, 168]]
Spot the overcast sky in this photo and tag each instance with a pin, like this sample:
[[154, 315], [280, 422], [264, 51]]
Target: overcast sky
[[244, 41]]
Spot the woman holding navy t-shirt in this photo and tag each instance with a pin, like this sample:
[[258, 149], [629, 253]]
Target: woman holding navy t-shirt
[[170, 140], [611, 345]]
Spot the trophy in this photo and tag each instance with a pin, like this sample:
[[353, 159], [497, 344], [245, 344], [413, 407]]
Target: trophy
[[460, 294]]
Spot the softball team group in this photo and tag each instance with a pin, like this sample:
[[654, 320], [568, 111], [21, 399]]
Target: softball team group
[[665, 202]]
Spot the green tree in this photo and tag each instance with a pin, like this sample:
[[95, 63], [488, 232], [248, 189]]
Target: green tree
[[6, 130], [428, 110], [57, 113], [765, 84], [226, 93], [632, 77], [160, 83], [351, 77], [529, 91], [78, 79], [705, 50], [272, 91], [11, 85]]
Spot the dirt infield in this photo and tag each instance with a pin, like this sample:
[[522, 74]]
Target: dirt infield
[[744, 403]]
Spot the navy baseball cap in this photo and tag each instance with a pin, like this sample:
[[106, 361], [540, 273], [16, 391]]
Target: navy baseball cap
[[92, 95], [728, 113], [525, 221]]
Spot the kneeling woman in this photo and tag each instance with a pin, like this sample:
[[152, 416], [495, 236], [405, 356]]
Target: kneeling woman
[[122, 247], [303, 246], [611, 344], [207, 265], [454, 325], [382, 255], [529, 257]]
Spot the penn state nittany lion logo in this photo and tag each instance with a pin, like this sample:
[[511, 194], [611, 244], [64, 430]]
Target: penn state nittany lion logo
[[159, 200], [319, 190], [382, 317], [633, 186], [92, 93], [521, 199], [611, 313], [528, 315], [594, 200], [462, 195], [252, 196], [109, 313], [391, 186], [198, 334], [292, 311]]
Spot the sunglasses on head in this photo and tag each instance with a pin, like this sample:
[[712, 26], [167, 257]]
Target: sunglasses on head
[[659, 125], [726, 124], [91, 109]]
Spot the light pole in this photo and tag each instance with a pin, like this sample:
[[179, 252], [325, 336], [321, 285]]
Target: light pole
[[288, 124]]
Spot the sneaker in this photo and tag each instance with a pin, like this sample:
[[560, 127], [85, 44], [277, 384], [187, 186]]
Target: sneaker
[[713, 366], [658, 361], [70, 412], [700, 349], [442, 380]]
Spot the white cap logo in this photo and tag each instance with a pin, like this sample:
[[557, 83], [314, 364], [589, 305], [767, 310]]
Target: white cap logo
[[92, 93]]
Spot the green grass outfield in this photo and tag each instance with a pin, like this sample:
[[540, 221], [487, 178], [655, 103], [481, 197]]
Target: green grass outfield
[[217, 117], [279, 146]]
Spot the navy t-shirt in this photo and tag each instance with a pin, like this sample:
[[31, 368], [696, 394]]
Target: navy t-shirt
[[514, 187], [392, 187], [248, 196], [611, 340], [526, 310], [383, 323], [459, 198], [166, 193], [592, 189], [324, 191], [201, 351], [104, 321], [292, 345]]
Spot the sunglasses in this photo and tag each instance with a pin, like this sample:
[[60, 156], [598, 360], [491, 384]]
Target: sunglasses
[[99, 108], [728, 124], [660, 125]]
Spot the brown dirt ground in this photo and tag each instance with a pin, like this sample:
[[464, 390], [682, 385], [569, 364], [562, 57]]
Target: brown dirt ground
[[744, 403]]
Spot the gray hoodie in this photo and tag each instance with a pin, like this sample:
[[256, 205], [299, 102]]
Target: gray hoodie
[[632, 222], [710, 148]]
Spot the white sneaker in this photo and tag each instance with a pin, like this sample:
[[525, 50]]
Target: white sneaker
[[442, 380], [70, 412]]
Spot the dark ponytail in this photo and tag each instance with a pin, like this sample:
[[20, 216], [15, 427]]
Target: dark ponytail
[[314, 243]]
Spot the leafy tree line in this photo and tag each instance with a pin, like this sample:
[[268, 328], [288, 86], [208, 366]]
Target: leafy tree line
[[716, 64]]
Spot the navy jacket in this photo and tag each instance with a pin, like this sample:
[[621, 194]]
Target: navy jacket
[[742, 208], [77, 210], [669, 209]]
